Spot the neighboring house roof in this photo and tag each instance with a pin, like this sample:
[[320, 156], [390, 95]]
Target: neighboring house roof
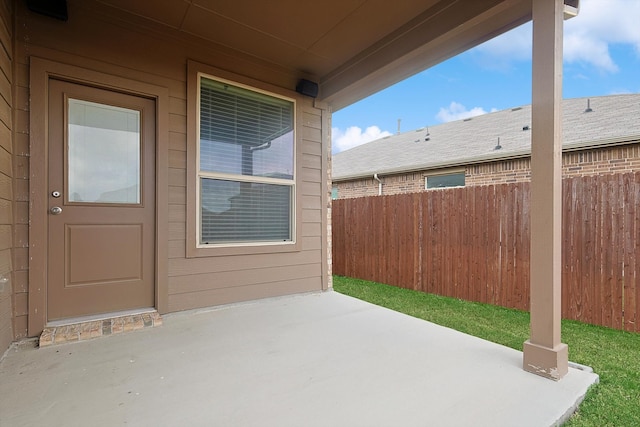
[[612, 120]]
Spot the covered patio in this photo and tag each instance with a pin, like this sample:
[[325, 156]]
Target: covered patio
[[317, 359]]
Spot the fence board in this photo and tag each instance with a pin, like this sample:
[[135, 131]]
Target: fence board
[[436, 259], [631, 193], [474, 243], [493, 243], [449, 212], [602, 277], [636, 256], [522, 264], [418, 232], [503, 266], [436, 229], [481, 249], [407, 245], [427, 248], [507, 288], [570, 211], [617, 240], [590, 255]]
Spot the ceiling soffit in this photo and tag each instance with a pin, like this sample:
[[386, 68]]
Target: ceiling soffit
[[353, 48]]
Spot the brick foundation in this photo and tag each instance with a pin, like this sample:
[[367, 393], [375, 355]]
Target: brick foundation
[[98, 328]]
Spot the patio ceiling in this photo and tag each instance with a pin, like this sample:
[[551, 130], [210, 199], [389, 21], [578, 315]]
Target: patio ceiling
[[352, 48]]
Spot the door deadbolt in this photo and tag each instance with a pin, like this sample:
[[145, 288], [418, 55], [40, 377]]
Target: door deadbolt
[[56, 210], [55, 194]]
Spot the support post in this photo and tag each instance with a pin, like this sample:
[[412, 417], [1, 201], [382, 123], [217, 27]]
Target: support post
[[544, 354]]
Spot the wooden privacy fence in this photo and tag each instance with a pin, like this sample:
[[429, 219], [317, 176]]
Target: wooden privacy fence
[[473, 243]]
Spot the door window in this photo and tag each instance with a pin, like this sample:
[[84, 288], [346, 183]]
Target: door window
[[103, 153]]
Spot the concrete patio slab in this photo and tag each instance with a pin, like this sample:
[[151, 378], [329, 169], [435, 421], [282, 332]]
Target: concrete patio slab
[[308, 360]]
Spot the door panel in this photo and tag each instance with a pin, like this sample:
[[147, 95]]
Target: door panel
[[101, 227], [118, 258]]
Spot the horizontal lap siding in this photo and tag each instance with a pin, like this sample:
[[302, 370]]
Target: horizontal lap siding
[[7, 280], [177, 182], [161, 59], [199, 282]]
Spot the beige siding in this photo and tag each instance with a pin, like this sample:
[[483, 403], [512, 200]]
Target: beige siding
[[597, 161], [7, 302], [207, 281], [159, 57]]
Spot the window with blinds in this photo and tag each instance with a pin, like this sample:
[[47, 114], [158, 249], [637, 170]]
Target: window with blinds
[[246, 163]]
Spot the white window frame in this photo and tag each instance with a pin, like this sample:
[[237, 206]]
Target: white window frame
[[193, 246], [444, 173]]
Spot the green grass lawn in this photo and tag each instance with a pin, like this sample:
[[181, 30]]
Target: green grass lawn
[[614, 355]]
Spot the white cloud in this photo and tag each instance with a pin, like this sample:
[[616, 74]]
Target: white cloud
[[457, 111], [590, 50], [354, 136], [587, 38], [600, 24], [501, 51]]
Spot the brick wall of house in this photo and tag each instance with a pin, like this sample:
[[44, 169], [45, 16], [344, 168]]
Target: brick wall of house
[[580, 163], [356, 188], [517, 170]]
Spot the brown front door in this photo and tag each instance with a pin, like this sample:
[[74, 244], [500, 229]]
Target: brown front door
[[101, 232]]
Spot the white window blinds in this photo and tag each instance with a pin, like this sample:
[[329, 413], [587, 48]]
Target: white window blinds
[[246, 165]]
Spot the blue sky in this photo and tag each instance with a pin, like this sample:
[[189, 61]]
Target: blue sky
[[601, 57]]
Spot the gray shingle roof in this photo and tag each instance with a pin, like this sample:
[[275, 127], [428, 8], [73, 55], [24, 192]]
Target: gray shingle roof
[[615, 119]]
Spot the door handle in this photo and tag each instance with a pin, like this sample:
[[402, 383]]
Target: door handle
[[56, 210]]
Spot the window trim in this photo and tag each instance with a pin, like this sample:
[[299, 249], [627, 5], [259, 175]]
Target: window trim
[[194, 175], [442, 173]]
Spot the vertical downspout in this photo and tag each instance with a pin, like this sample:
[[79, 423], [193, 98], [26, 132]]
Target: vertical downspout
[[375, 176]]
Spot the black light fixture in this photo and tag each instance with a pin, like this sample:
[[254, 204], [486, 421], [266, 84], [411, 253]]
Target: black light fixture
[[53, 8], [307, 88]]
